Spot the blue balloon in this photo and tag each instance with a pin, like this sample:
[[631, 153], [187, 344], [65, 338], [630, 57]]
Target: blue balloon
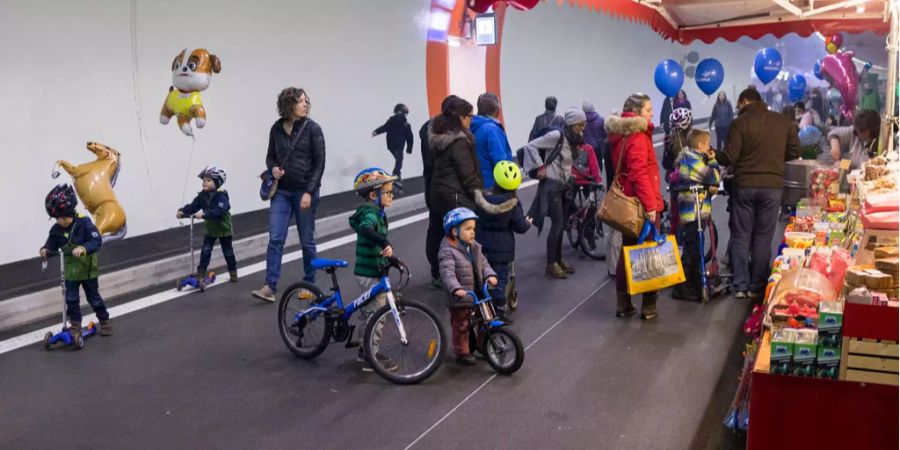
[[810, 135], [796, 87], [767, 64], [817, 71], [669, 77], [710, 75]]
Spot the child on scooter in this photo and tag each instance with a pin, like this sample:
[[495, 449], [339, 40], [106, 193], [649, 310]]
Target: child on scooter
[[372, 246], [501, 215], [212, 205], [695, 165], [463, 267], [78, 239]]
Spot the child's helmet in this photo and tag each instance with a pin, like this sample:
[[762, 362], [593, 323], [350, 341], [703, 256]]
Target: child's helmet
[[371, 179], [61, 201], [507, 175], [457, 216], [681, 119], [216, 174]]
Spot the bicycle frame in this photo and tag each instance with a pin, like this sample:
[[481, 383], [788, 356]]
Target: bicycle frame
[[383, 286], [486, 307]]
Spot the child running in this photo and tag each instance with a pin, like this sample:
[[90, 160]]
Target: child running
[[463, 268], [501, 215], [372, 246], [695, 166], [212, 205], [79, 240]]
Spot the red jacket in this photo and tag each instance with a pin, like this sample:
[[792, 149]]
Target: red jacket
[[639, 173], [592, 174]]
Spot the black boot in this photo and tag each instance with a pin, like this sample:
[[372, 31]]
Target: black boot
[[684, 291], [624, 308], [648, 306]]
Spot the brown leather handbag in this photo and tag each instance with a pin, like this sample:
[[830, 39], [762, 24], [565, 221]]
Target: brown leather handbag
[[619, 211]]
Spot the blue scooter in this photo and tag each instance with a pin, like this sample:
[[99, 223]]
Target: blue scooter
[[65, 337], [195, 280]]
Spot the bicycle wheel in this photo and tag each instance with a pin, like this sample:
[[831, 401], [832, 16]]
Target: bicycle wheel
[[573, 223], [593, 242], [408, 363], [308, 336], [504, 351]]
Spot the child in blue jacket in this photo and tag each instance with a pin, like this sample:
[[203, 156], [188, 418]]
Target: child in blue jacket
[[76, 236], [500, 216], [212, 205]]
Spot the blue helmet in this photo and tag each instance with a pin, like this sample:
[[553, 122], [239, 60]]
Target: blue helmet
[[457, 216]]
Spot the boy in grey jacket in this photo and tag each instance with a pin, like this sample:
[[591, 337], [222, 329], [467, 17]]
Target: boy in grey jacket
[[463, 268]]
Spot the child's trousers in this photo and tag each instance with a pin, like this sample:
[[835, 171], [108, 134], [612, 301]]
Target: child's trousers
[[498, 292], [460, 322], [91, 292], [227, 251], [366, 311]]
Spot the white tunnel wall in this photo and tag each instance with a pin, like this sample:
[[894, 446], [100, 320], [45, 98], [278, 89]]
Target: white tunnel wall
[[67, 77]]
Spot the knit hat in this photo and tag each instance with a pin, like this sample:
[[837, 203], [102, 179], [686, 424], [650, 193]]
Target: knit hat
[[587, 107], [575, 115]]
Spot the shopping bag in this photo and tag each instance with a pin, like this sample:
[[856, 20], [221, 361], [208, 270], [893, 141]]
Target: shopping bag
[[652, 265]]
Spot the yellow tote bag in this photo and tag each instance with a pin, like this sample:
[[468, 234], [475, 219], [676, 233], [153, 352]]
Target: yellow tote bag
[[652, 265]]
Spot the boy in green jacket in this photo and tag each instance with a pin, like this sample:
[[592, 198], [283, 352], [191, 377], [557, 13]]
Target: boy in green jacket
[[372, 247], [212, 205]]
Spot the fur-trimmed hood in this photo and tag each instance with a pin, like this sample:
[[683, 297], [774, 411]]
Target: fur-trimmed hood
[[440, 142], [493, 209], [627, 125]]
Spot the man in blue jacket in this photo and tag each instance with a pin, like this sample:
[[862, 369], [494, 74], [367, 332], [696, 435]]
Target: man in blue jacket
[[491, 144]]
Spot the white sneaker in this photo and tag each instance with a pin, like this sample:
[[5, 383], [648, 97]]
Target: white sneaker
[[265, 293]]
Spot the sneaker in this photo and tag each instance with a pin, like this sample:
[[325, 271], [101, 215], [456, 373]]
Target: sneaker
[[265, 293], [233, 276], [106, 327], [465, 360], [740, 295], [437, 283]]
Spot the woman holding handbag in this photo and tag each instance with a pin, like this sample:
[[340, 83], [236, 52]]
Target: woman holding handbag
[[631, 145], [296, 161]]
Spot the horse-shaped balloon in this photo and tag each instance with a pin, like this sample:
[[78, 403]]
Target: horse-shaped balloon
[[94, 182]]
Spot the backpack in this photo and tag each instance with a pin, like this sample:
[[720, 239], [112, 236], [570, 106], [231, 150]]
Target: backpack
[[520, 153]]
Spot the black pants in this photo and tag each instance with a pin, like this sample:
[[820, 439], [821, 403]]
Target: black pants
[[398, 160], [91, 292], [433, 240], [609, 167], [557, 214], [690, 259], [227, 252]]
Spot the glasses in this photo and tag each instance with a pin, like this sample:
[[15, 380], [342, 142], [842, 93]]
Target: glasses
[[388, 193]]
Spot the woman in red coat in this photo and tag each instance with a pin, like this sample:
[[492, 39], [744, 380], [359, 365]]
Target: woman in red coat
[[631, 135]]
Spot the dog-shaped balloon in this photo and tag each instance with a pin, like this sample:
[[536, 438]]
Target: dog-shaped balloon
[[94, 182], [191, 73]]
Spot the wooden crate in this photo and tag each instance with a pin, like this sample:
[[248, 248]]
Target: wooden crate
[[870, 361]]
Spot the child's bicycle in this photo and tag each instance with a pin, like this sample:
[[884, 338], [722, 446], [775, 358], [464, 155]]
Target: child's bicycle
[[712, 282], [501, 347], [65, 337], [403, 340], [583, 228]]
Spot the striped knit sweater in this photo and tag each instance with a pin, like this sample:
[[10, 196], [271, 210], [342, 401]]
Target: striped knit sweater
[[695, 168]]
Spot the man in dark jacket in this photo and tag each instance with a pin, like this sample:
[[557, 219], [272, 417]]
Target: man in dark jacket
[[594, 130], [759, 142], [398, 133], [548, 119]]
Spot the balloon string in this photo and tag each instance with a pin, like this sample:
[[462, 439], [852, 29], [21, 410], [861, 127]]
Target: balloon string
[[187, 172]]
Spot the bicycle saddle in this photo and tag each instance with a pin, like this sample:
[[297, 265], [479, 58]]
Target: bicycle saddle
[[322, 263]]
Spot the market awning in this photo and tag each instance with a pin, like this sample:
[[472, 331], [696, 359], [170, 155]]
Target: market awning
[[685, 21]]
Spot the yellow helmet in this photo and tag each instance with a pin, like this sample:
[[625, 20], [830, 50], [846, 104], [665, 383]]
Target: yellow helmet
[[507, 175]]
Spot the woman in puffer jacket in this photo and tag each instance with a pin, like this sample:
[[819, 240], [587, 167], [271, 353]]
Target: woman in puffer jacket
[[455, 176], [631, 143]]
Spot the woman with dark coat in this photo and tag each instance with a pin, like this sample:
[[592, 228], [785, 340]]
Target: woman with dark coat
[[631, 142], [455, 175], [722, 115]]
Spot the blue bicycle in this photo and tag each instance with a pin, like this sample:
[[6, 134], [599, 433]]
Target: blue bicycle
[[500, 346], [403, 341]]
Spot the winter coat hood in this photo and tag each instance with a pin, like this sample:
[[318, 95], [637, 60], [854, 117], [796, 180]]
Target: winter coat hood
[[480, 121], [441, 142], [592, 116], [627, 124], [507, 202]]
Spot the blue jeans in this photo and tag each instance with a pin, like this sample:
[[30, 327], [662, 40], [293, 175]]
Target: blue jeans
[[91, 292], [754, 215], [284, 206]]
